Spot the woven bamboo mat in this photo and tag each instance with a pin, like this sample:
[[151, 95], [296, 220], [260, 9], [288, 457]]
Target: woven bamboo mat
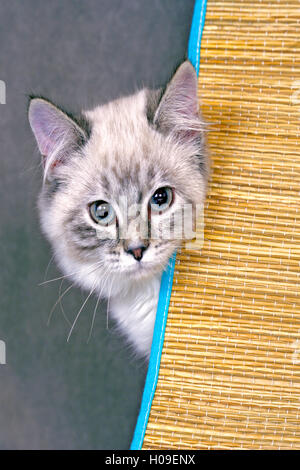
[[230, 367]]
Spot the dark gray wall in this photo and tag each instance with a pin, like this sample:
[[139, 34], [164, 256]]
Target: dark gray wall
[[54, 394]]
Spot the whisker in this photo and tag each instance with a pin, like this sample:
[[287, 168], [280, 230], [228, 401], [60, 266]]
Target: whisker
[[58, 300], [107, 309], [77, 316], [98, 264], [100, 293], [56, 279], [61, 296], [93, 319], [48, 266], [61, 305]]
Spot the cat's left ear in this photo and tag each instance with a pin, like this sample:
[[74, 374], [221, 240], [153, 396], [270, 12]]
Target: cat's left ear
[[177, 112], [56, 133]]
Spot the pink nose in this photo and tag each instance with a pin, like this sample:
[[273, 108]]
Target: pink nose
[[137, 251]]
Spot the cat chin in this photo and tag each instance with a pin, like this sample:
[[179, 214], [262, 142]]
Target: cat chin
[[135, 311], [136, 277], [139, 270]]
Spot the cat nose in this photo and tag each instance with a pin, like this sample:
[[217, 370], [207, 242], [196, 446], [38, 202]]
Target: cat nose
[[136, 251]]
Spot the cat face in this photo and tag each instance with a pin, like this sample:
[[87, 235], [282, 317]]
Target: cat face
[[117, 183]]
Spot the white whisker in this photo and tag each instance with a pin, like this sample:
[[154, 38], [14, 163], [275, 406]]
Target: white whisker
[[58, 300], [107, 308], [98, 264], [93, 319], [77, 316], [48, 266], [61, 305]]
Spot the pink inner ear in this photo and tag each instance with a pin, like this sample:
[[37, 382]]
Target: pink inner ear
[[45, 123], [186, 92], [189, 107], [51, 127], [189, 134], [178, 110], [53, 165], [46, 145]]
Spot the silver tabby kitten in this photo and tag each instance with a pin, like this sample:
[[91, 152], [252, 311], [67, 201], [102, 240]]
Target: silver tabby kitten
[[115, 182]]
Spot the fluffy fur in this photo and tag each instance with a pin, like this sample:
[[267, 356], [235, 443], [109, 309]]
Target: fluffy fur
[[121, 152]]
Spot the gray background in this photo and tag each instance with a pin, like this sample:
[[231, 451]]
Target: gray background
[[54, 394]]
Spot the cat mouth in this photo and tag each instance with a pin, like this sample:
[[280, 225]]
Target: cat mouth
[[139, 266], [139, 269]]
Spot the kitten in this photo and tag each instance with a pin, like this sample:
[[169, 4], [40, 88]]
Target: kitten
[[114, 182]]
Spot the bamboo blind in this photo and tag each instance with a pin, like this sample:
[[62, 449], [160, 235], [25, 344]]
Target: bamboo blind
[[230, 368]]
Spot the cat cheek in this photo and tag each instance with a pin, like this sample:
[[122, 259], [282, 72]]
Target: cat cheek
[[107, 233]]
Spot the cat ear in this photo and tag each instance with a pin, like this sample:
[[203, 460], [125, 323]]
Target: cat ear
[[56, 133], [177, 112]]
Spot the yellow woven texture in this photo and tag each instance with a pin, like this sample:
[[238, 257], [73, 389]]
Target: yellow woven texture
[[230, 368]]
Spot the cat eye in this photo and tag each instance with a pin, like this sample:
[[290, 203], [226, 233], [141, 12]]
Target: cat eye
[[102, 212], [161, 199]]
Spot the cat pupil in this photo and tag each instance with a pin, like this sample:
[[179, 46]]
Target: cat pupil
[[102, 210], [160, 197]]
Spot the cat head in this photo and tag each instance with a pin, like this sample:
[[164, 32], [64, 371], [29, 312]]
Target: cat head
[[117, 179]]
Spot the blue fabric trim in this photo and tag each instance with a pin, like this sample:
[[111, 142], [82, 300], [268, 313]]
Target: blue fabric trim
[[196, 33], [156, 349], [167, 276]]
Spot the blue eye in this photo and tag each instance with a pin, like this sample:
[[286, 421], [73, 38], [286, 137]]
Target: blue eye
[[161, 199], [102, 212]]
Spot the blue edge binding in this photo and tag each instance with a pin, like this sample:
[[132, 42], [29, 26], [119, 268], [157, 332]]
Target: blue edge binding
[[167, 276]]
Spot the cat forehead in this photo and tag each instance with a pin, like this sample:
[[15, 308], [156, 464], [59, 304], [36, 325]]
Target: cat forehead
[[118, 172], [126, 112], [126, 155], [119, 128], [123, 146]]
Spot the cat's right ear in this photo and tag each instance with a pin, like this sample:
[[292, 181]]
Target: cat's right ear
[[56, 133], [177, 112]]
